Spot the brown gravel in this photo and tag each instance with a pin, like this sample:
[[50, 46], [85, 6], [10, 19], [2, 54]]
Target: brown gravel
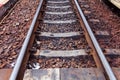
[[13, 31], [60, 28], [60, 62], [62, 43], [4, 9], [60, 17], [107, 21], [114, 60], [58, 9]]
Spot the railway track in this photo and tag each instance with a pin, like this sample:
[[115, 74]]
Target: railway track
[[107, 36], [61, 46], [114, 6], [5, 9]]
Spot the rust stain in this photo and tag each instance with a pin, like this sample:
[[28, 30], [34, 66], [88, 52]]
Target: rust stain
[[5, 74]]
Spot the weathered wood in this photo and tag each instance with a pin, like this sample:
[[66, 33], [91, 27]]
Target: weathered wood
[[112, 51], [99, 74], [52, 53], [82, 74], [89, 74], [71, 74], [116, 3], [102, 33], [42, 74], [68, 34], [3, 1], [59, 21], [64, 74]]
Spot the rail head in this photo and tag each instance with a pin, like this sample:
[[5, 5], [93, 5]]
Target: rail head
[[96, 44], [25, 44]]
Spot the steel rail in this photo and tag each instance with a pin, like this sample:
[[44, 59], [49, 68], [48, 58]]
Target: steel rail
[[25, 44], [96, 44]]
